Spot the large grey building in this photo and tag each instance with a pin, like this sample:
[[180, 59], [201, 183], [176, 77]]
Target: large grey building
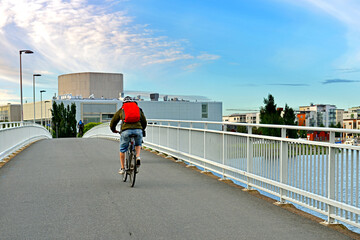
[[91, 85], [97, 98], [98, 110], [10, 113]]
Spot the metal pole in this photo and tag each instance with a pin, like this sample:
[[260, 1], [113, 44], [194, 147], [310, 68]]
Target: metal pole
[[45, 115], [41, 91], [21, 92], [34, 95], [41, 107]]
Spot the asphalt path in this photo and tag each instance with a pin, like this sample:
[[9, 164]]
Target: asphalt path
[[70, 189]]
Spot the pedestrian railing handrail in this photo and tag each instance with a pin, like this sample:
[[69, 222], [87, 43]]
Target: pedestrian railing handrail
[[322, 177], [15, 135]]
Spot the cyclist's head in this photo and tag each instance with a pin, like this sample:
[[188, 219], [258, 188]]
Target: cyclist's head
[[127, 99]]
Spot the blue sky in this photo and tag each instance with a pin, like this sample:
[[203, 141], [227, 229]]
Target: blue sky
[[233, 51]]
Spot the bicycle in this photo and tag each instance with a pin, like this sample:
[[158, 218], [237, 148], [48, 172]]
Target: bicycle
[[130, 162]]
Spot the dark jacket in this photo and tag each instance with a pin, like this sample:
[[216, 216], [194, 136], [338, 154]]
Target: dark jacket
[[119, 115]]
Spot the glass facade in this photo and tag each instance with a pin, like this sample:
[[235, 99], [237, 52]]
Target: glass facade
[[204, 110], [96, 112]]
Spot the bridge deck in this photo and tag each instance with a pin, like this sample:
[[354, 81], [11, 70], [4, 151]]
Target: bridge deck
[[70, 189]]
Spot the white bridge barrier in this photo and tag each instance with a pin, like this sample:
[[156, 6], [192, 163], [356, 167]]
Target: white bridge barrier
[[15, 135], [320, 176]]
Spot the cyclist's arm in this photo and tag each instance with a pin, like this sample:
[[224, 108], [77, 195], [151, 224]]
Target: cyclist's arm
[[114, 121], [143, 119]]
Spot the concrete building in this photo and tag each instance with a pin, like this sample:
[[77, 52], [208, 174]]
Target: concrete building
[[317, 115], [10, 113], [91, 85], [242, 118], [351, 120], [98, 110], [102, 110], [339, 113], [42, 110], [235, 118], [96, 97]]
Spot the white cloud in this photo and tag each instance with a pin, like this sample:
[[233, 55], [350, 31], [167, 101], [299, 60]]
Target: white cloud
[[191, 67], [348, 13], [208, 57], [74, 36], [8, 97]]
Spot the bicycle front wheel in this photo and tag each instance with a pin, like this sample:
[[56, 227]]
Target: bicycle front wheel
[[132, 171]]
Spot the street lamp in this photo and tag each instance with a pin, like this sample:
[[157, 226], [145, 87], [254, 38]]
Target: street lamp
[[34, 75], [41, 91], [21, 91], [45, 112]]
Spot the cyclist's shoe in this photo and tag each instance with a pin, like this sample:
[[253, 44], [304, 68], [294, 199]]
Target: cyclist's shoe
[[121, 171], [137, 164], [138, 161]]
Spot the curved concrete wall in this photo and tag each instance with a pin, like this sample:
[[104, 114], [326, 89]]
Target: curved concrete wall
[[107, 85]]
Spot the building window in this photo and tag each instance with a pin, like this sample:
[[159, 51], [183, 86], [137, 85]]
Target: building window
[[106, 117], [204, 110], [95, 112]]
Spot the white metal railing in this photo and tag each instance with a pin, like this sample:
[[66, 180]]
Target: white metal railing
[[102, 131], [15, 135], [320, 176]]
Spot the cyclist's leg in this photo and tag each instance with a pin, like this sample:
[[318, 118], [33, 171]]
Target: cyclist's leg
[[138, 142], [124, 145], [137, 150], [122, 159]]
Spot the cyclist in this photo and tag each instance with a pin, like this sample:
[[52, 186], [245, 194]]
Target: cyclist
[[133, 123]]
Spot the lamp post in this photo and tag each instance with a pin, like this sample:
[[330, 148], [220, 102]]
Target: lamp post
[[34, 75], [21, 91], [41, 91], [45, 112]]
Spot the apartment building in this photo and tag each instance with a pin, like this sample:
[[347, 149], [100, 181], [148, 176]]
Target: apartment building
[[242, 118], [317, 115], [351, 119]]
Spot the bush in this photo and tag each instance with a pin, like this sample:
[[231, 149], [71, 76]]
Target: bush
[[90, 125]]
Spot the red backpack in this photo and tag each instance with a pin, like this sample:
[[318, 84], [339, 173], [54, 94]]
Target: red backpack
[[131, 112]]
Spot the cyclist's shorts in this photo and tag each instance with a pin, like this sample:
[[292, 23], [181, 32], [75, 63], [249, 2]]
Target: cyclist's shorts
[[125, 138]]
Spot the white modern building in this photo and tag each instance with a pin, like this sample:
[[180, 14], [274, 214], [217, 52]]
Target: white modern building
[[339, 113], [102, 110], [351, 120], [105, 91], [242, 118], [319, 115]]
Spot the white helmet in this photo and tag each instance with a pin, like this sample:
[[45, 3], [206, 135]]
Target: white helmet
[[127, 99]]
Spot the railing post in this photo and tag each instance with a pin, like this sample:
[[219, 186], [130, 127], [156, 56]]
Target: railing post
[[283, 164], [191, 125], [249, 154], [205, 129], [223, 150], [159, 141], [178, 137], [168, 135], [331, 178]]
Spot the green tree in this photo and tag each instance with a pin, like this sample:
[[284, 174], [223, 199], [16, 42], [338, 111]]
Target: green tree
[[302, 133], [270, 115], [290, 119], [241, 129], [64, 120], [338, 125]]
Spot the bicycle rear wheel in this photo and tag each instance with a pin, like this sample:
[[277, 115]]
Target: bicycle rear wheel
[[126, 164], [132, 171]]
